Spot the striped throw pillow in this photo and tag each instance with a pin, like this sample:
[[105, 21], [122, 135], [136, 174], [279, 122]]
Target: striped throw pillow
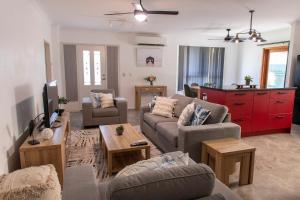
[[164, 107], [106, 100]]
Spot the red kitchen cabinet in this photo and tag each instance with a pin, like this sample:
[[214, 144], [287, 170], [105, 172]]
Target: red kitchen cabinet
[[257, 111]]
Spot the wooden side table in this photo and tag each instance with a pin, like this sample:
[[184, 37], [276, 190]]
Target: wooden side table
[[139, 90], [221, 154]]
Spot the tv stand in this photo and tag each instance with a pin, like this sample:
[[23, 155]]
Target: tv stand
[[52, 151]]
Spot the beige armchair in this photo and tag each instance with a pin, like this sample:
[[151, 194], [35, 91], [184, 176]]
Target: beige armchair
[[100, 116]]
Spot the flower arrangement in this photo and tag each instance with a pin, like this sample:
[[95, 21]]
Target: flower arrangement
[[150, 79], [248, 79]]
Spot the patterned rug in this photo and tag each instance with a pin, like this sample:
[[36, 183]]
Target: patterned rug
[[83, 148]]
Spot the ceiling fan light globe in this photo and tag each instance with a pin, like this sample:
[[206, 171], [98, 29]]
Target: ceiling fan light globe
[[140, 15]]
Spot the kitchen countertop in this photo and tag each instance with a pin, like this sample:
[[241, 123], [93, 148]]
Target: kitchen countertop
[[233, 88]]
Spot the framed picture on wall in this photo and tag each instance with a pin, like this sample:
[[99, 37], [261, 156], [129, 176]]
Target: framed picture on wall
[[149, 56]]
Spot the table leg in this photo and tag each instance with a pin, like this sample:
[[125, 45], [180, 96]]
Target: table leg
[[147, 151], [251, 167], [204, 154], [220, 170], [245, 169], [109, 163]]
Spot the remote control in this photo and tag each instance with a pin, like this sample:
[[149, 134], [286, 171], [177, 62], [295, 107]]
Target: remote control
[[139, 143]]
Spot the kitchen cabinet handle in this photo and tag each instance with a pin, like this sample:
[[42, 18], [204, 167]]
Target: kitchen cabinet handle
[[240, 94], [282, 93], [280, 116], [239, 104], [261, 93]]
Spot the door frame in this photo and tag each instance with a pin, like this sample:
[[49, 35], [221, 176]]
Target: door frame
[[265, 63], [48, 63]]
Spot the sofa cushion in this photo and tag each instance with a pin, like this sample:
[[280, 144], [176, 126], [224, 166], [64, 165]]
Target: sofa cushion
[[200, 116], [182, 182], [169, 131], [217, 112], [186, 115], [164, 107], [105, 112], [153, 120], [182, 102], [31, 183]]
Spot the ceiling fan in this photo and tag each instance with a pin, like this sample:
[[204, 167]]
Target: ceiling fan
[[140, 12], [228, 37]]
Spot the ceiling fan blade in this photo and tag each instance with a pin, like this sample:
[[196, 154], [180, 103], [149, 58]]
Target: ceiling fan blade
[[121, 13], [137, 6], [160, 12]]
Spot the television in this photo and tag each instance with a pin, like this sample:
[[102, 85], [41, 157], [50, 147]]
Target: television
[[50, 101]]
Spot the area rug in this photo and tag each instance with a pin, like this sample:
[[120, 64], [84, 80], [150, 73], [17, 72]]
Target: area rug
[[83, 149]]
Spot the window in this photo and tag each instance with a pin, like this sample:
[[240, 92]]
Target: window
[[201, 65], [97, 67], [274, 67], [86, 68]]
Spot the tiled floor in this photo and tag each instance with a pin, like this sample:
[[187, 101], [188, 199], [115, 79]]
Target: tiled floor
[[277, 163]]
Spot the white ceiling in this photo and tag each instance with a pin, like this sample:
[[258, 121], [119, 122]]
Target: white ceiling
[[203, 16]]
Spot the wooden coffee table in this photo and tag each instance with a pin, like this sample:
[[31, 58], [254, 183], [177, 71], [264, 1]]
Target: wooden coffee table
[[117, 149], [221, 154]]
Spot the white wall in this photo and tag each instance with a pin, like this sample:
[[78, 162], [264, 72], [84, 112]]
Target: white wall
[[130, 75], [24, 27], [250, 55]]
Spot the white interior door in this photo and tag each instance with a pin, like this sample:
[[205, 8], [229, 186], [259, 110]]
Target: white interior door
[[91, 63]]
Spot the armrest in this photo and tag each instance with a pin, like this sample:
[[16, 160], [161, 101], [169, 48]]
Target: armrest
[[121, 104], [190, 137], [143, 110], [87, 103]]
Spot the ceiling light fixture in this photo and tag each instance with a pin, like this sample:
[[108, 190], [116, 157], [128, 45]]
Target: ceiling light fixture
[[140, 15], [254, 35]]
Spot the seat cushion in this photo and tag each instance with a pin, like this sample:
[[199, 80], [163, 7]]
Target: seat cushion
[[105, 112], [182, 182], [182, 102], [217, 112], [153, 120], [169, 131]]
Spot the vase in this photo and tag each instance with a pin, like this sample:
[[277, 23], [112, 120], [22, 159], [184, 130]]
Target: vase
[[248, 82], [151, 83]]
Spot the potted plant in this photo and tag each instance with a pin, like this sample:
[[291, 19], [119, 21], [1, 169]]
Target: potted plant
[[150, 79], [61, 101], [120, 130], [248, 79]]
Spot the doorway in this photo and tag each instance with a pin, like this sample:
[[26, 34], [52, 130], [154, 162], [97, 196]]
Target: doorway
[[274, 67], [92, 69]]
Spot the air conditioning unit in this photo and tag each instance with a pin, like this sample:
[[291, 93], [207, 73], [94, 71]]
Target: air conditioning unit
[[150, 40]]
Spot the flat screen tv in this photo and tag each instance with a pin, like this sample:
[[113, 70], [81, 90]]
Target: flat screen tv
[[50, 101]]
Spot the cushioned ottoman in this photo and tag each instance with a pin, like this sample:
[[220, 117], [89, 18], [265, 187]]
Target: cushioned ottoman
[[34, 183]]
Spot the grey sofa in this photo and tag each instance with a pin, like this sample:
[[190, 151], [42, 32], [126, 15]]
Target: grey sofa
[[195, 181], [99, 116], [165, 133]]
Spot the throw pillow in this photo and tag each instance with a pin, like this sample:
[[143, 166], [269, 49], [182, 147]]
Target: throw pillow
[[106, 100], [186, 115], [95, 99], [31, 183], [164, 107], [164, 161], [200, 115]]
